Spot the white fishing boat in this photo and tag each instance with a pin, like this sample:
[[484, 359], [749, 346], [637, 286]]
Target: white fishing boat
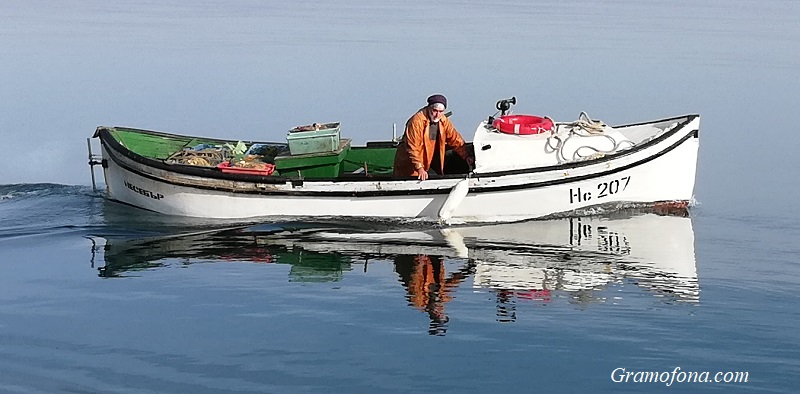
[[525, 167]]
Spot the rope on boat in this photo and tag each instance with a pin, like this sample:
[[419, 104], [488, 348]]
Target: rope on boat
[[205, 157], [600, 153], [585, 126], [588, 124]]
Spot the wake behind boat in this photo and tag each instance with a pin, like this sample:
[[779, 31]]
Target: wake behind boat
[[525, 167]]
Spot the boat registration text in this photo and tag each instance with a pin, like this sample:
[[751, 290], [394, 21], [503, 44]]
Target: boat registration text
[[604, 189], [144, 192]]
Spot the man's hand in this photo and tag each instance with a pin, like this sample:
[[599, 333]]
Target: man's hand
[[423, 175]]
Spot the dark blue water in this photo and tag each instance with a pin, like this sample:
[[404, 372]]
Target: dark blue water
[[99, 297]]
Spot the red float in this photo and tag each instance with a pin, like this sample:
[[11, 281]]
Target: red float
[[522, 124]]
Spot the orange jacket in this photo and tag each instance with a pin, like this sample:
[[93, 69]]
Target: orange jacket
[[416, 149]]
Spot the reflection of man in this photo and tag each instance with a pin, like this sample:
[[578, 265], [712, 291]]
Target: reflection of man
[[428, 289]]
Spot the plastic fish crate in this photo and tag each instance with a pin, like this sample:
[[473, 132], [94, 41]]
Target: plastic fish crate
[[308, 139]]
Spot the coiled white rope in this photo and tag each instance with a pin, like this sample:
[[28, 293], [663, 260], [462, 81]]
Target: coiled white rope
[[585, 126]]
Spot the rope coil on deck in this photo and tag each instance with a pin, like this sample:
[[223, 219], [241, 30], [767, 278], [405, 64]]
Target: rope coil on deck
[[585, 126]]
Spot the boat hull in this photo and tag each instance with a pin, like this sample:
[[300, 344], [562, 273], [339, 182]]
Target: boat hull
[[661, 171]]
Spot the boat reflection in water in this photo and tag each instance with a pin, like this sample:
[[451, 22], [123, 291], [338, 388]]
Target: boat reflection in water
[[572, 259]]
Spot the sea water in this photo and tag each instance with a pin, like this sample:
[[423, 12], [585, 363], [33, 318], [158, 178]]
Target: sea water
[[102, 298]]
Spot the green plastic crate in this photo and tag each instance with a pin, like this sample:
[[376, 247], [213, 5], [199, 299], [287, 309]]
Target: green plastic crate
[[314, 165], [307, 139]]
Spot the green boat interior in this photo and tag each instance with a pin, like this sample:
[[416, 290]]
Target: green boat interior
[[321, 154]]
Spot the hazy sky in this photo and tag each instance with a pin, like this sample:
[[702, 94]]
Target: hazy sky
[[253, 69]]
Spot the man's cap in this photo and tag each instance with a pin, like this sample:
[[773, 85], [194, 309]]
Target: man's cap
[[437, 98]]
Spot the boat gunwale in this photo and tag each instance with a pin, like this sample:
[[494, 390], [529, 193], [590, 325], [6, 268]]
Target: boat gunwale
[[176, 136]]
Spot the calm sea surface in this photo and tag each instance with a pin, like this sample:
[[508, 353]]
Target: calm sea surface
[[96, 297], [100, 297]]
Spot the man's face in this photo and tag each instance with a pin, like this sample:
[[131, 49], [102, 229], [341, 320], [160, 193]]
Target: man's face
[[435, 112]]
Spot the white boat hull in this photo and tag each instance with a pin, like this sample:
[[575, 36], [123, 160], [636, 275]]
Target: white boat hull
[[660, 172]]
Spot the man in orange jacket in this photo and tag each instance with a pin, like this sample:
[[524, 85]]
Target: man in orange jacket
[[428, 133]]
